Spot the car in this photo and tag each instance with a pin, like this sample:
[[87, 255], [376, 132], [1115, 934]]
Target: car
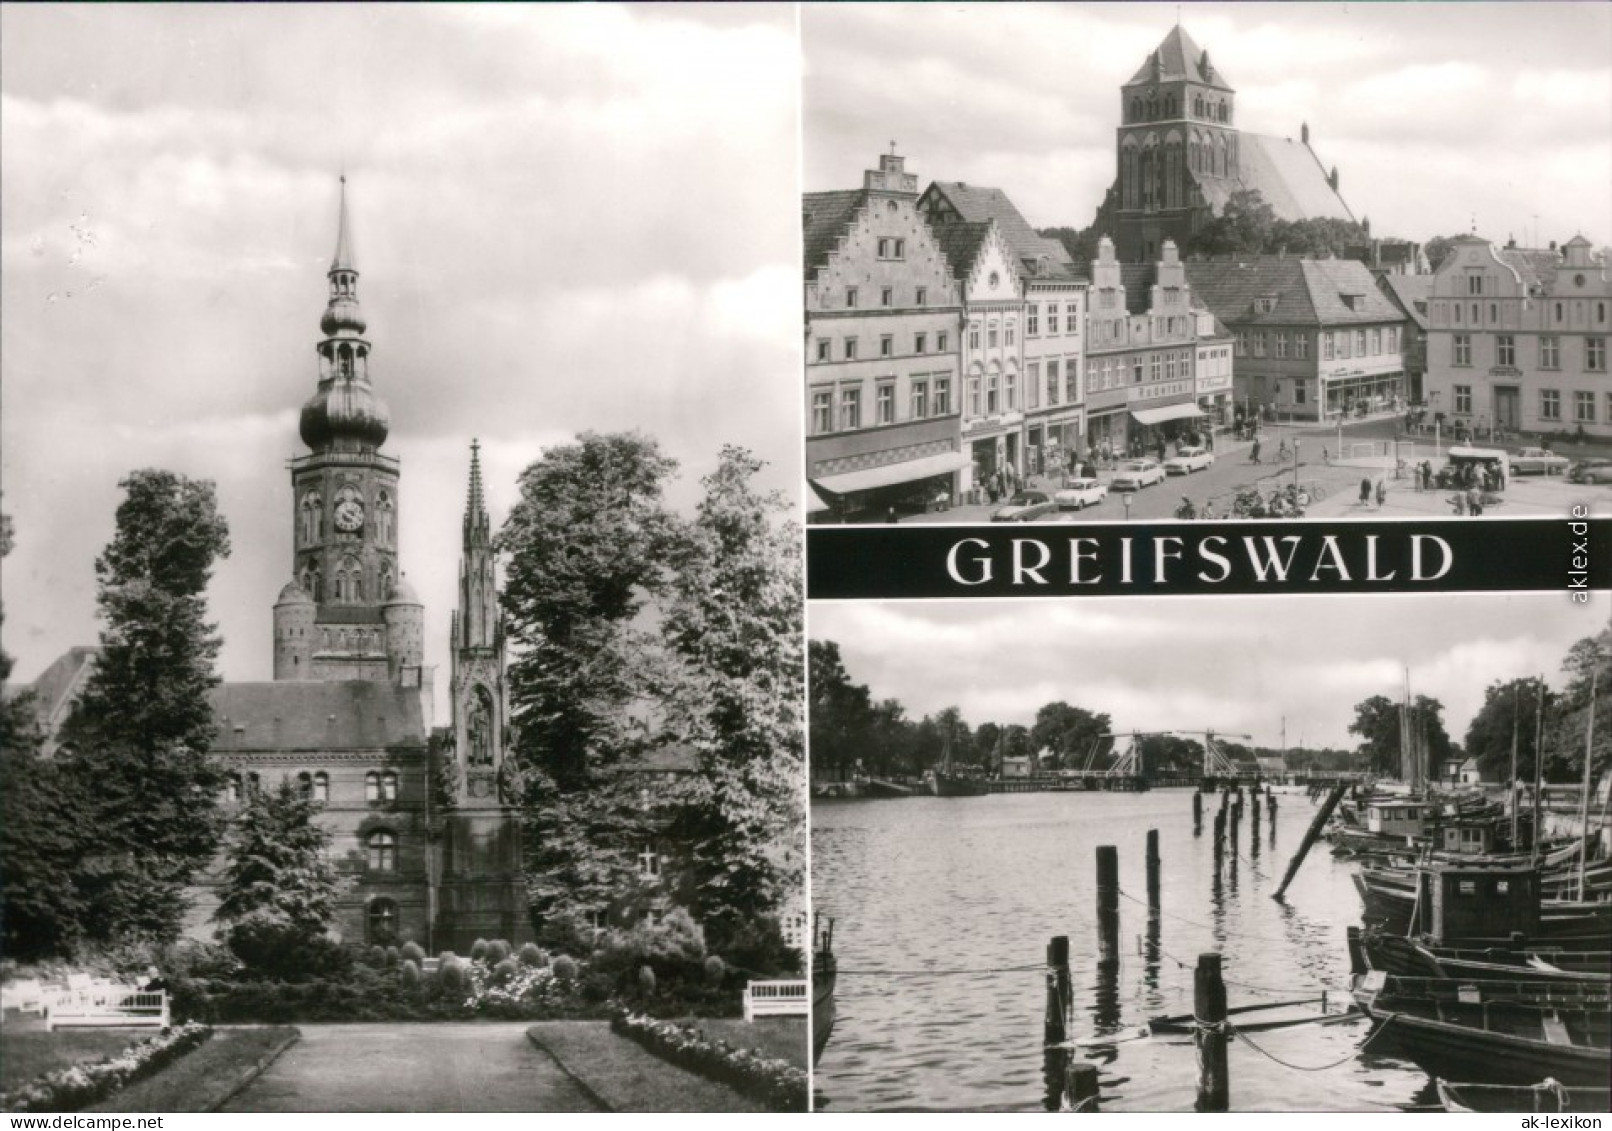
[[1078, 493], [1025, 506], [1591, 471], [1189, 459], [1538, 461], [1134, 474]]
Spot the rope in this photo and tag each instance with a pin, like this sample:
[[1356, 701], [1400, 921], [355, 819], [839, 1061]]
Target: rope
[[1227, 1026], [1205, 926], [939, 973]]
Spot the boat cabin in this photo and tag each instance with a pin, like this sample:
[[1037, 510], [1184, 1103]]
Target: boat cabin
[[1470, 837], [1397, 818], [1469, 902]]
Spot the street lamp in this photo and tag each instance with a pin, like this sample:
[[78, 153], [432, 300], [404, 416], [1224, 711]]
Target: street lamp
[[1126, 499], [1295, 467]]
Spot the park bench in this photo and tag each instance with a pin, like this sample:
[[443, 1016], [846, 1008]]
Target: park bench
[[25, 995], [781, 998], [111, 1006]]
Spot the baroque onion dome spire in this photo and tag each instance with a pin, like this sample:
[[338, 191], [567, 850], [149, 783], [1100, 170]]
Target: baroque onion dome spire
[[344, 414]]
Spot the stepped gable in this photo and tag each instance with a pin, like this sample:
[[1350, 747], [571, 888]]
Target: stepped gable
[[977, 204], [825, 216]]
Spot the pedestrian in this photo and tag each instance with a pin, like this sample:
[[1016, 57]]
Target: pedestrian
[[890, 516], [1253, 456], [1382, 493], [1365, 489], [1427, 475], [1474, 502], [1459, 501]]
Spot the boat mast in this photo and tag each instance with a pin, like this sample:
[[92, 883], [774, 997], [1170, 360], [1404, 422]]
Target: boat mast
[[1539, 761], [1515, 694], [1584, 803]]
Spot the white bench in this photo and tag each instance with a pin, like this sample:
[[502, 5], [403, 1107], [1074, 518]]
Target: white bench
[[111, 1006], [25, 995], [783, 998]]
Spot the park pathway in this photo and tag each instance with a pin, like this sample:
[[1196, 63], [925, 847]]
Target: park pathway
[[413, 1067]]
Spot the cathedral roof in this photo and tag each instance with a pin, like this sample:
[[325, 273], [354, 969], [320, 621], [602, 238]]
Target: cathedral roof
[[403, 593], [825, 216], [312, 716], [1176, 58], [1289, 176], [976, 204]]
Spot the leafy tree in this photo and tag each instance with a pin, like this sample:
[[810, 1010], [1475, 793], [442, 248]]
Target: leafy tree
[[1169, 753], [589, 541], [1317, 237], [1377, 722], [135, 747], [1437, 250], [1244, 227], [736, 623], [280, 888], [1068, 731], [840, 712], [1080, 243], [891, 738], [39, 831], [1509, 709], [1567, 731]]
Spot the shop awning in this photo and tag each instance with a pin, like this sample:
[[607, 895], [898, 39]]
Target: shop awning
[[1168, 412], [814, 502], [905, 472]]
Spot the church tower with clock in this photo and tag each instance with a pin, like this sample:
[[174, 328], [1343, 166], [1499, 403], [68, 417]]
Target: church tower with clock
[[347, 613]]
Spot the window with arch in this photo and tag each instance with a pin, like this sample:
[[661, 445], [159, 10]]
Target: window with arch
[[372, 786], [310, 581], [232, 789], [305, 785], [385, 512], [388, 786], [254, 783], [381, 851], [321, 788], [388, 581], [382, 922], [992, 392], [349, 581], [312, 515]]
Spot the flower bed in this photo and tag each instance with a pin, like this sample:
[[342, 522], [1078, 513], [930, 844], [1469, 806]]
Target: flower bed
[[69, 1089], [777, 1084]]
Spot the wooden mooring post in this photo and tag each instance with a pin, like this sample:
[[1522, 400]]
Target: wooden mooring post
[[1310, 835], [1055, 1054], [1220, 838], [1209, 1007], [1080, 1087], [1197, 813], [1153, 872], [1107, 903]]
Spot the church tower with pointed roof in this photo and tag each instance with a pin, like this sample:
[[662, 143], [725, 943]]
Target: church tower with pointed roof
[[346, 614], [478, 654]]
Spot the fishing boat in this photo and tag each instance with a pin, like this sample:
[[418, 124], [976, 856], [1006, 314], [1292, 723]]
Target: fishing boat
[[1518, 1032], [1417, 957], [823, 979], [1546, 1096], [944, 781], [1478, 902]]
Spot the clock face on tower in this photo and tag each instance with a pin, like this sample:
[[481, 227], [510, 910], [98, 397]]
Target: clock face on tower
[[349, 511]]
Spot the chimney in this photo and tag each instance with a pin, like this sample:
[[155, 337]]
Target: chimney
[[1304, 132], [1332, 178]]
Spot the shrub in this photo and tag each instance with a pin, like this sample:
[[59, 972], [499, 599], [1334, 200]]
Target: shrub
[[674, 948], [646, 981], [715, 971], [274, 948], [565, 968], [68, 1089], [504, 970], [393, 956], [446, 957], [532, 955], [478, 950], [776, 1083], [567, 933], [451, 974], [497, 951], [412, 952], [410, 974], [376, 956]]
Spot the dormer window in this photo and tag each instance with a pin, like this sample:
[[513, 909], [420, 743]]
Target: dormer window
[[1265, 304]]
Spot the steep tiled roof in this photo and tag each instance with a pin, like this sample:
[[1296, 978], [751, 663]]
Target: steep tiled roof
[[960, 243], [825, 215], [1230, 289], [1307, 292], [1406, 291], [1179, 58], [976, 204], [1289, 177], [59, 685], [1536, 265], [316, 716]]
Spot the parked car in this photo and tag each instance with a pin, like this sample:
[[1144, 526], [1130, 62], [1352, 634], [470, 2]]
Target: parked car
[[1135, 474], [1591, 471], [1078, 493], [1026, 506], [1538, 461], [1189, 459]]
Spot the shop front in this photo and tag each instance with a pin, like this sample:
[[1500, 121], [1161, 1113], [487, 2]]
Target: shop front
[[1358, 393]]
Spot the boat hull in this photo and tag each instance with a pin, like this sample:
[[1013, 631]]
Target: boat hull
[[956, 785], [823, 980]]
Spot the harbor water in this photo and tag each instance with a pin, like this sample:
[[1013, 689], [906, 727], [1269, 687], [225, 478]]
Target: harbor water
[[943, 908]]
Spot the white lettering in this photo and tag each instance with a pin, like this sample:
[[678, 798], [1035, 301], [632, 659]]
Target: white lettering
[[1078, 554], [1020, 569], [1267, 564], [1416, 556], [1124, 561], [1371, 561], [1329, 549], [985, 562], [1214, 556], [1162, 553]]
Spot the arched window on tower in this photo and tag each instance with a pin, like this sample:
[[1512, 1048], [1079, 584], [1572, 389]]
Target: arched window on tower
[[1136, 109], [349, 581], [388, 582], [1169, 105], [383, 518], [344, 360], [312, 518]]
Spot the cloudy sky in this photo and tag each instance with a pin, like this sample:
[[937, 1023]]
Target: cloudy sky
[[565, 218], [1433, 113], [1230, 664]]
